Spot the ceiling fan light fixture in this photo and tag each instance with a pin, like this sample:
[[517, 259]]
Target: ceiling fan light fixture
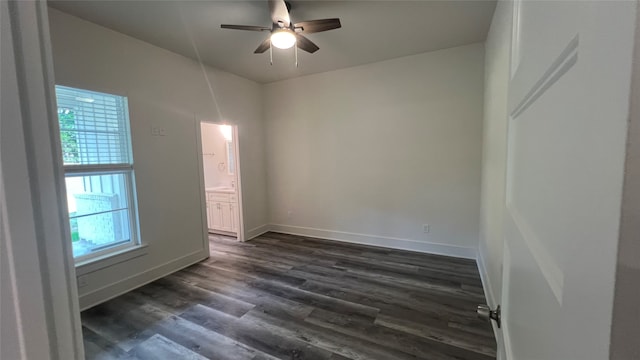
[[283, 39]]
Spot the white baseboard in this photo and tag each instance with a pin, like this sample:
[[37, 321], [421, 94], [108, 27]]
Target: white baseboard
[[376, 240], [493, 303], [222, 232], [125, 285], [257, 231]]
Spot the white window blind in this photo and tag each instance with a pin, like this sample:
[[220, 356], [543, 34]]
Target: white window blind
[[94, 127]]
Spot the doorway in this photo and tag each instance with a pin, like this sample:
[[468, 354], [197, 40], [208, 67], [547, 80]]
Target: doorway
[[221, 179]]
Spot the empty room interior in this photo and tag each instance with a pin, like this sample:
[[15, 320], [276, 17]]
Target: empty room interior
[[360, 180]]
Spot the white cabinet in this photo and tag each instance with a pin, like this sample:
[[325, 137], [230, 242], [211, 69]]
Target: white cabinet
[[233, 217], [222, 211], [216, 217], [209, 214], [225, 212]]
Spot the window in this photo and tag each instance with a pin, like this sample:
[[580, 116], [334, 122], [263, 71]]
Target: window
[[230, 158], [227, 133], [98, 165]]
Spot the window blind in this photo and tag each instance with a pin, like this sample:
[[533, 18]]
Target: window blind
[[94, 127]]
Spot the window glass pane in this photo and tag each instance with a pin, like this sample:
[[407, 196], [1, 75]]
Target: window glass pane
[[94, 127], [103, 231], [98, 207], [88, 194]]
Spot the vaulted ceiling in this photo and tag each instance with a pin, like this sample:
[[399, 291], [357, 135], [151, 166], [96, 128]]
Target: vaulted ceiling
[[371, 30]]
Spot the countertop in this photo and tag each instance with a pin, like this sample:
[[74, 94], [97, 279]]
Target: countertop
[[222, 189]]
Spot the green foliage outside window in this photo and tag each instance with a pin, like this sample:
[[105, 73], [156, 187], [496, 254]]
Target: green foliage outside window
[[68, 136], [69, 140]]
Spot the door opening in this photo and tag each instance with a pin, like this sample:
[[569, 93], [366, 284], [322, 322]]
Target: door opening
[[221, 179]]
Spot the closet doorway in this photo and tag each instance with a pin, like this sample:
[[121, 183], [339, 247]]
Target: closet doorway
[[221, 179]]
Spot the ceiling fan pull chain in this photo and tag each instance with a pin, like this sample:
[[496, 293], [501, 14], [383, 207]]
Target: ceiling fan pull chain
[[296, 51], [271, 54]]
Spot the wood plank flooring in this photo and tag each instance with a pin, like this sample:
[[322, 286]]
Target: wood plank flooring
[[290, 297]]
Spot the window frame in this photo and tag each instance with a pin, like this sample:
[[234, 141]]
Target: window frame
[[127, 170]]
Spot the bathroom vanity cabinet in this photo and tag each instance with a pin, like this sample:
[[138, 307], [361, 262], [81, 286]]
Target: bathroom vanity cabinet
[[222, 210]]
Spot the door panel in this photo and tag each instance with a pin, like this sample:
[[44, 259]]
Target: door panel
[[568, 103], [233, 217], [217, 216], [209, 215], [226, 216]]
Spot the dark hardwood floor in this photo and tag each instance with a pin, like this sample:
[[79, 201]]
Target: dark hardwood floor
[[289, 297]]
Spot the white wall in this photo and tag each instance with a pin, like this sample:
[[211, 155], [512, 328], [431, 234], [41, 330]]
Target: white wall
[[373, 152], [171, 91], [214, 147], [494, 150]]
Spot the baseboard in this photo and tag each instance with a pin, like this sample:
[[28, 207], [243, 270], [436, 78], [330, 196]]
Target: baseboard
[[222, 232], [493, 303], [125, 285], [376, 240], [257, 231]]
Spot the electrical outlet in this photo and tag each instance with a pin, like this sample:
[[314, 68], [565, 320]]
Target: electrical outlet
[[289, 213], [83, 281], [426, 228]]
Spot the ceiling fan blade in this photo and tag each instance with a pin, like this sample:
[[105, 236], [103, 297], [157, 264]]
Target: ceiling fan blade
[[306, 44], [245, 27], [279, 12], [314, 26], [264, 46]]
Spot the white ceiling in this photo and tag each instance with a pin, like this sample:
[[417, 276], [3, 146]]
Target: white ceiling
[[371, 30]]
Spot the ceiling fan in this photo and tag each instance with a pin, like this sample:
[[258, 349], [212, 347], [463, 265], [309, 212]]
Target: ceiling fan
[[284, 33]]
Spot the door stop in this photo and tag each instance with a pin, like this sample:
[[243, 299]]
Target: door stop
[[485, 312]]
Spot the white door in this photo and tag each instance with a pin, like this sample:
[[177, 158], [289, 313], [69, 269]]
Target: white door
[[568, 97]]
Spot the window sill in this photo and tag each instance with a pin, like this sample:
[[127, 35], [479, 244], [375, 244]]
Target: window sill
[[111, 259]]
